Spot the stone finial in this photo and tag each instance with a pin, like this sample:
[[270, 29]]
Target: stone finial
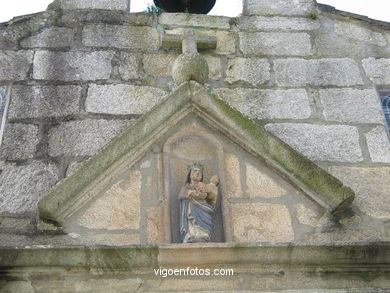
[[190, 65]]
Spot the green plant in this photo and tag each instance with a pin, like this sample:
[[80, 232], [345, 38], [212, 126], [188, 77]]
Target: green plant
[[153, 9], [313, 15]]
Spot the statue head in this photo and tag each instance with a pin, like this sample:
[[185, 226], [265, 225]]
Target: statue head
[[195, 173]]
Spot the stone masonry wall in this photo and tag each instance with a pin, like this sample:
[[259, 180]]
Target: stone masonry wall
[[79, 77]]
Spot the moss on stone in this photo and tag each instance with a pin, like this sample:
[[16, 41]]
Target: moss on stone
[[322, 184]]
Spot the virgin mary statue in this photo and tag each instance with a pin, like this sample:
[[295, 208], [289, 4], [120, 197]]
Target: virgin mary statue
[[197, 202]]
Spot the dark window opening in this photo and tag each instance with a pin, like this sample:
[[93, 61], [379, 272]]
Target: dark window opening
[[385, 100]]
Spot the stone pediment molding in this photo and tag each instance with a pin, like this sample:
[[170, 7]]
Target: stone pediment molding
[[74, 192]]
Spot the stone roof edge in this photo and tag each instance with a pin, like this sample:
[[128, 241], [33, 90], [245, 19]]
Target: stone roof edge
[[80, 187], [376, 255], [332, 10], [61, 198], [324, 188]]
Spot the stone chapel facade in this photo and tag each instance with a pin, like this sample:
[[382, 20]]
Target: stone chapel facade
[[97, 133]]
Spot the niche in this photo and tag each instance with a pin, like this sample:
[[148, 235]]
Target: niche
[[194, 144]]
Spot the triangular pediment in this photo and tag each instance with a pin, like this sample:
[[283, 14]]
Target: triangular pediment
[[191, 99]]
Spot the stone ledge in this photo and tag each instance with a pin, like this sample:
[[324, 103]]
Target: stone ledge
[[256, 267], [196, 20], [197, 254]]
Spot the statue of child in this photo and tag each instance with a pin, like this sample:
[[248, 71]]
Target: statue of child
[[210, 189]]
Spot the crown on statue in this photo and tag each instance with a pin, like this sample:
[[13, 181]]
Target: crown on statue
[[195, 165]]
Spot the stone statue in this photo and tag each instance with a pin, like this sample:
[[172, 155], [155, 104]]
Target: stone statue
[[197, 202]]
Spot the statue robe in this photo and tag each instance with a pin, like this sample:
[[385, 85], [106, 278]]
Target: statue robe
[[196, 218]]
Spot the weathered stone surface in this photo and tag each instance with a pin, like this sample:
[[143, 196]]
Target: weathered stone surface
[[278, 7], [44, 101], [129, 66], [3, 95], [15, 64], [300, 72], [174, 40], [182, 19], [22, 26], [122, 99], [351, 105], [251, 70], [155, 220], [22, 186], [121, 36], [377, 70], [272, 104], [159, 64], [86, 284], [215, 69], [109, 212], [113, 285], [351, 236], [146, 165], [371, 186], [289, 44], [226, 41], [328, 44], [306, 216], [53, 37], [68, 66], [16, 224], [192, 66], [72, 167], [261, 222], [350, 221], [91, 4], [261, 185], [206, 285], [379, 145], [338, 143], [17, 286], [277, 23], [19, 141], [89, 16], [43, 226], [83, 138], [233, 176], [356, 32]]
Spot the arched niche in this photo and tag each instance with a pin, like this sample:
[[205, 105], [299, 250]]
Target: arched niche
[[192, 144]]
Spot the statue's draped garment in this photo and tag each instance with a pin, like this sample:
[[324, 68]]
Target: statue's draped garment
[[196, 217]]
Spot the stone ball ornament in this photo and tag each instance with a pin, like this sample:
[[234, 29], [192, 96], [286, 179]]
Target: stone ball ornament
[[187, 6]]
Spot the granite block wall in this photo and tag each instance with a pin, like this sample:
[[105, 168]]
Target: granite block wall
[[77, 77]]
